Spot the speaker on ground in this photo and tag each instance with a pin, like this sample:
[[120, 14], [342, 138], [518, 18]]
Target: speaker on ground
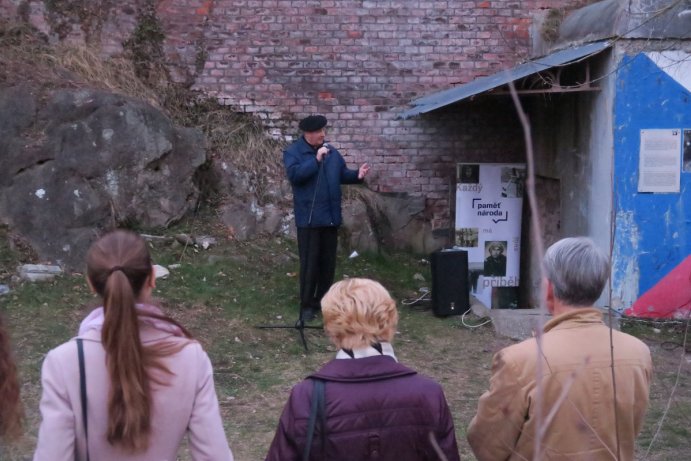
[[449, 282]]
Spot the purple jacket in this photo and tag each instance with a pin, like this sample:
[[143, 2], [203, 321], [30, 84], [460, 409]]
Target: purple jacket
[[375, 409]]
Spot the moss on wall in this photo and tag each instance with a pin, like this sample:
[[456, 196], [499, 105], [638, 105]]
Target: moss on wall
[[145, 46]]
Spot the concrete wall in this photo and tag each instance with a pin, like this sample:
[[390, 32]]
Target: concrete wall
[[572, 136], [602, 173], [652, 230]]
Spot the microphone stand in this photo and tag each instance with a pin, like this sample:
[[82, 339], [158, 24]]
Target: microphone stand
[[299, 326], [300, 323]]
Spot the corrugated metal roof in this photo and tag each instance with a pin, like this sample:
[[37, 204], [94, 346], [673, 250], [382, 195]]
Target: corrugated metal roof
[[444, 98], [646, 19]]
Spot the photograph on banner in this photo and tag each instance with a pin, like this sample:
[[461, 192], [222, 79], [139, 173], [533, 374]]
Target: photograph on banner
[[489, 203]]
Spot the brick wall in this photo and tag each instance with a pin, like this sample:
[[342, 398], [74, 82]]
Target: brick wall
[[358, 62]]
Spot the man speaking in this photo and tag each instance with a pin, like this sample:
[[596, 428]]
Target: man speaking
[[316, 171]]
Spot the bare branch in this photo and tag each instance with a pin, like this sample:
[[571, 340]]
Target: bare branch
[[538, 245], [614, 385], [682, 359], [436, 447]]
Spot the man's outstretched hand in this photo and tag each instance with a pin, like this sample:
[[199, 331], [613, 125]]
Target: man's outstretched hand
[[362, 172]]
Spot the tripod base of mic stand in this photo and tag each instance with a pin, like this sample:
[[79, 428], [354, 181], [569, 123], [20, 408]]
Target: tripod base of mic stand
[[299, 326]]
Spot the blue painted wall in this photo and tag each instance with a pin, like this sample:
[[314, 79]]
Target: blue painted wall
[[652, 231]]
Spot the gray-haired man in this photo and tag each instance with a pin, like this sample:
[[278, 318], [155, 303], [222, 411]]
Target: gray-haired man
[[580, 418]]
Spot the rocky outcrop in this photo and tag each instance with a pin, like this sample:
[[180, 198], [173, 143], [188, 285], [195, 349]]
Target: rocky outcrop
[[372, 221], [76, 161]]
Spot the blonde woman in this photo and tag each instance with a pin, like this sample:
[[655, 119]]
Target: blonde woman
[[373, 407], [147, 383]]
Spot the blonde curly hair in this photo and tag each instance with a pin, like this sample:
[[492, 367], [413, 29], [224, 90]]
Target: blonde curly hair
[[359, 312]]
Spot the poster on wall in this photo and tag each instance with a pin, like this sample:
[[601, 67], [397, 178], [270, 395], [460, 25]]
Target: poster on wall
[[659, 166], [489, 202]]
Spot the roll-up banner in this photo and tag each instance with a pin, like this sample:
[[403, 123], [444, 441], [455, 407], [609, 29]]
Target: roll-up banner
[[489, 202]]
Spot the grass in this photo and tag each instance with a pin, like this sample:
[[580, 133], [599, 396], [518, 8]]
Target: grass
[[221, 293]]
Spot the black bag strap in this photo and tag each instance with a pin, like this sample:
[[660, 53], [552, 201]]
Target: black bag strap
[[317, 409], [82, 391], [322, 415]]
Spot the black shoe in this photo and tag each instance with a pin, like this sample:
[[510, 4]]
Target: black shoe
[[307, 315]]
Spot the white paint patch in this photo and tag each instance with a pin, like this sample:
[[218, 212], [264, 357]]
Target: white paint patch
[[256, 209], [676, 64], [107, 134], [224, 166], [112, 183], [76, 193], [632, 277], [40, 193], [66, 248], [626, 222], [626, 273]]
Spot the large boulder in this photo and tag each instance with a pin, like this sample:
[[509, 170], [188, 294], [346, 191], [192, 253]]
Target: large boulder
[[374, 220], [76, 161]]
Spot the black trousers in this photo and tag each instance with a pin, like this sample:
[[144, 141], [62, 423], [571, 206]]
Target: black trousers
[[317, 248]]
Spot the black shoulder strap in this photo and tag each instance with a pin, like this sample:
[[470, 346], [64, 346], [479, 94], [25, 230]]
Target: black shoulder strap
[[317, 408], [82, 391], [322, 415]]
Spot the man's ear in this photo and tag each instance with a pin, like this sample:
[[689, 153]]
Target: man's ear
[[549, 295]]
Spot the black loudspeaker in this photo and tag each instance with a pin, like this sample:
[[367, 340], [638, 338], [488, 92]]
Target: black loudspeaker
[[449, 282]]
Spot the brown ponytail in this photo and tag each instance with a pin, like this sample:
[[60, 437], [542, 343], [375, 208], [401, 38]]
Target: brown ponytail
[[119, 267], [11, 412]]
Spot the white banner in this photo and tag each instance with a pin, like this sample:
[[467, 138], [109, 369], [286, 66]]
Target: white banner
[[489, 202]]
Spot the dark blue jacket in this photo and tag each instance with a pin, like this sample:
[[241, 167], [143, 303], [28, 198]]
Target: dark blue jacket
[[316, 188]]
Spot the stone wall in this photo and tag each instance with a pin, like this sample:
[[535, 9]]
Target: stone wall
[[356, 61]]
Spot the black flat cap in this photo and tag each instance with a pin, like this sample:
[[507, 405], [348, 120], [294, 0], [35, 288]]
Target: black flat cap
[[313, 123]]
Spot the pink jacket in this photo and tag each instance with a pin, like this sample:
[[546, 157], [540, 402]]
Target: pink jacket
[[188, 403]]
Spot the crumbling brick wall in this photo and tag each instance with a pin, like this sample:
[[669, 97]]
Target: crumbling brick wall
[[359, 62]]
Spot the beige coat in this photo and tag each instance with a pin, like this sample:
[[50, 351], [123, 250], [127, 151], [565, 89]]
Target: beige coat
[[188, 404], [576, 380]]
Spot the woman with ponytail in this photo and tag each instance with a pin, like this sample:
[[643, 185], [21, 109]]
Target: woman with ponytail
[[146, 381]]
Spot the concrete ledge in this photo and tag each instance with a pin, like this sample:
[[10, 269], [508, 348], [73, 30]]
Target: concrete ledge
[[519, 324]]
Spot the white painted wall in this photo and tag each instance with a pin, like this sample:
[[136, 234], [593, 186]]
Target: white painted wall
[[601, 154]]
